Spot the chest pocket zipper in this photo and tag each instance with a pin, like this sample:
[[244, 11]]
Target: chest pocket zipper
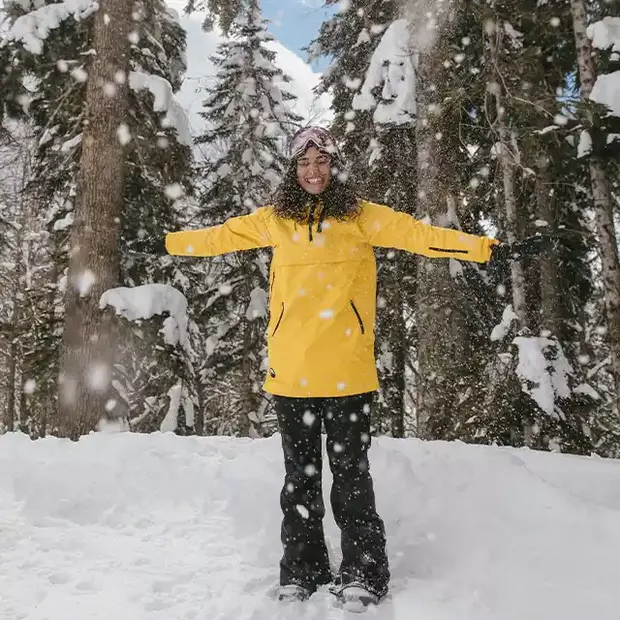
[[359, 318], [279, 321]]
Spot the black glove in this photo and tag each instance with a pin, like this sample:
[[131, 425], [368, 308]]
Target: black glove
[[155, 245], [503, 253]]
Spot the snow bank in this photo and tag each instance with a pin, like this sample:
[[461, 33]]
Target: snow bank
[[33, 28], [542, 379], [391, 69], [605, 34], [164, 102], [148, 300], [500, 330], [149, 527], [606, 90]]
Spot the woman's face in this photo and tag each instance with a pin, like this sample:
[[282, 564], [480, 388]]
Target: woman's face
[[314, 171]]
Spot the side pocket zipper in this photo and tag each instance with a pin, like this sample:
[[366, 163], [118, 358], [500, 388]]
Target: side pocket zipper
[[359, 318], [279, 321]]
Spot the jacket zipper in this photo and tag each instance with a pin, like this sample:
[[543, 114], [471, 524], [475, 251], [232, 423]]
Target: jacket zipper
[[279, 321], [359, 318]]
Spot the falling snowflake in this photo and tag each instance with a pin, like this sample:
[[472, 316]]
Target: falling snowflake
[[310, 470], [109, 89], [308, 418], [29, 386], [303, 511], [338, 448], [174, 191], [85, 282], [99, 376], [123, 134], [79, 75], [326, 314]]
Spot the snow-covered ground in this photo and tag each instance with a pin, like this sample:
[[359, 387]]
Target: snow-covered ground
[[124, 526]]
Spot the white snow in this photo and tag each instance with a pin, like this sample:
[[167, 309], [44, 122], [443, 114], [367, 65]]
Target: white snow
[[34, 27], [169, 423], [391, 69], [606, 90], [543, 379], [585, 144], [121, 525], [123, 134], [69, 145], [148, 300], [259, 304], [499, 331], [65, 222], [605, 33], [164, 102]]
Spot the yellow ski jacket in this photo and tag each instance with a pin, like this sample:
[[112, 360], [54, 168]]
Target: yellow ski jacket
[[323, 288]]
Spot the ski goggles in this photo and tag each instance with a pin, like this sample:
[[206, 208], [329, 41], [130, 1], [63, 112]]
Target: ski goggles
[[321, 138]]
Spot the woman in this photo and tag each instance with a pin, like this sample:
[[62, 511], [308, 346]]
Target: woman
[[321, 351]]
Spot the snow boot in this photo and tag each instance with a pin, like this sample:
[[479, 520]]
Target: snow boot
[[355, 596], [292, 592]]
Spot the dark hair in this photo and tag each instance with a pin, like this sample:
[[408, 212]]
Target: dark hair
[[339, 199]]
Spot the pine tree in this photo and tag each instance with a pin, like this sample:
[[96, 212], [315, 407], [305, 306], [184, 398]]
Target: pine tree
[[249, 122], [372, 119], [388, 91], [157, 144]]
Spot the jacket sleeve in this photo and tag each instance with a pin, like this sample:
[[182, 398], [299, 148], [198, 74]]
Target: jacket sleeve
[[386, 228], [246, 232]]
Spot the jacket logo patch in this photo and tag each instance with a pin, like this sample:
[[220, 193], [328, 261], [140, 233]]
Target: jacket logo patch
[[272, 373]]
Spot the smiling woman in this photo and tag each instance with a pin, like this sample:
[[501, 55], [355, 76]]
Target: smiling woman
[[321, 349]]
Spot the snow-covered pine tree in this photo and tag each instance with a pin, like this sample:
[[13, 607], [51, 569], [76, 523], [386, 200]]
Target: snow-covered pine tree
[[598, 146], [249, 122], [371, 81], [388, 93], [449, 319], [349, 39], [44, 81], [525, 120]]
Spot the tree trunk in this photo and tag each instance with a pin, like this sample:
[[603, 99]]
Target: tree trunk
[[603, 202], [442, 332], [551, 310], [88, 347], [507, 161], [392, 354], [10, 402]]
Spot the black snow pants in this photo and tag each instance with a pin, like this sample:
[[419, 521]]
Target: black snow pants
[[347, 425]]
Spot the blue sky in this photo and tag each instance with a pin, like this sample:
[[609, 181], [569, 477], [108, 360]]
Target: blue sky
[[296, 23]]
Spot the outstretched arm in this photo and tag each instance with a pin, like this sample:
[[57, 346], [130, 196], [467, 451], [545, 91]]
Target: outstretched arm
[[246, 232], [384, 227]]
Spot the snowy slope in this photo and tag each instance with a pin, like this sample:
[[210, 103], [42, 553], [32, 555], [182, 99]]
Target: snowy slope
[[200, 72], [124, 526]]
